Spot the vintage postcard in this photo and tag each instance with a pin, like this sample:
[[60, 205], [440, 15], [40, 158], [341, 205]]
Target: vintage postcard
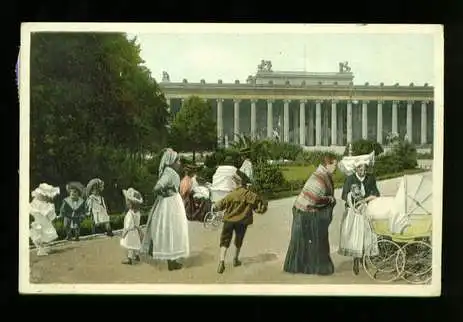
[[266, 159]]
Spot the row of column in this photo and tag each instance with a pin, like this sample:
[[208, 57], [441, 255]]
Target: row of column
[[318, 120]]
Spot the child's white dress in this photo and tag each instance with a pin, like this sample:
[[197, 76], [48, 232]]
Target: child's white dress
[[42, 229], [132, 240], [96, 206]]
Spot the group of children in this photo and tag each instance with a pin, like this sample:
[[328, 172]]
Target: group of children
[[75, 208], [239, 206]]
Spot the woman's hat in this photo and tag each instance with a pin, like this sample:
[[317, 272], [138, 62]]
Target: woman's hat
[[96, 181], [75, 185], [45, 190], [190, 167], [133, 195]]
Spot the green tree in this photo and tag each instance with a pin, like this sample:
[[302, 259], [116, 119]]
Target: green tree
[[193, 128], [94, 109]]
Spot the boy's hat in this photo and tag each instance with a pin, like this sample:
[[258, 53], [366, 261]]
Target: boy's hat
[[228, 160], [92, 183], [245, 150], [45, 190], [133, 195], [77, 186]]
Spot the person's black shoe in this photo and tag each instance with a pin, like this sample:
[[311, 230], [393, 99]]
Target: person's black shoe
[[127, 261], [236, 262], [221, 267], [109, 234], [173, 265], [77, 238]]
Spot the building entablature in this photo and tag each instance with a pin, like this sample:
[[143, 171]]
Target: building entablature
[[257, 91], [296, 85]]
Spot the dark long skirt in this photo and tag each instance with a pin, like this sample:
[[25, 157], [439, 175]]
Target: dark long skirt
[[196, 209], [309, 248]]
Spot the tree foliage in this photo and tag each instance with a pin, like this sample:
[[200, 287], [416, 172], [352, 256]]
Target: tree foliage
[[94, 107], [193, 128]]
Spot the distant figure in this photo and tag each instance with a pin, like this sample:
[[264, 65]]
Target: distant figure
[[238, 207], [246, 166], [309, 248], [131, 233], [73, 210], [42, 210], [167, 226]]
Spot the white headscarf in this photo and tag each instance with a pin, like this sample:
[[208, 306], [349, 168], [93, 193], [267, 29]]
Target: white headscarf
[[168, 158]]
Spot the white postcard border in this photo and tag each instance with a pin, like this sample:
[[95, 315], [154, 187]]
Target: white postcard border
[[434, 289]]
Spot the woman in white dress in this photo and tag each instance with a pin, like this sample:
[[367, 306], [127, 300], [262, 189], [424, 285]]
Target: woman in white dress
[[96, 206], [167, 225], [131, 234], [43, 210]]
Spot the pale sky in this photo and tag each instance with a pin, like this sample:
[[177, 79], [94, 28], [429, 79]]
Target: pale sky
[[374, 58]]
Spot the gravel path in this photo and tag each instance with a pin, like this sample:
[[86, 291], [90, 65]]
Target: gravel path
[[99, 260]]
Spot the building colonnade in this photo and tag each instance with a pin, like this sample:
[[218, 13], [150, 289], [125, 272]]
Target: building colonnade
[[327, 122]]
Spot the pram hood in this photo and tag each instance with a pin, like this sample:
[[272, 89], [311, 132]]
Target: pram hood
[[414, 197]]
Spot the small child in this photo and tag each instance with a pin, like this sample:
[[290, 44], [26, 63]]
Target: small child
[[131, 234], [96, 206], [43, 210], [238, 206], [73, 210]]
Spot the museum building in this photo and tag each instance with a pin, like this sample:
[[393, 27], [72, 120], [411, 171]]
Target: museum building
[[311, 109]]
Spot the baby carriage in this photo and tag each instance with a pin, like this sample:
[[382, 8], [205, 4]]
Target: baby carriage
[[404, 234], [222, 185]]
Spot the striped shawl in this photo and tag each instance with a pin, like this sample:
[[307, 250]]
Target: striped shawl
[[316, 192]]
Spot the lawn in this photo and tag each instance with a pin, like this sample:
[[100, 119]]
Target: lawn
[[297, 172]]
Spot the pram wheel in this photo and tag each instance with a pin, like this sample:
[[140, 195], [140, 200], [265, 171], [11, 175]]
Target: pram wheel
[[417, 262], [212, 220], [386, 265]]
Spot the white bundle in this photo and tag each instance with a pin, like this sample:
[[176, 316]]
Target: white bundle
[[380, 208], [222, 180]]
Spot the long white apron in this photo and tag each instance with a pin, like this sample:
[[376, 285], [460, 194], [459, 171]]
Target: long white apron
[[357, 236], [169, 228]]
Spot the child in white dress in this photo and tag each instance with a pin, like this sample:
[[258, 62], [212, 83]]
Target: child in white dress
[[96, 206], [131, 234], [43, 210]]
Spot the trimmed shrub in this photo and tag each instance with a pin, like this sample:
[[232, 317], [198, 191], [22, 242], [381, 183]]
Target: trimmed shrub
[[316, 157], [267, 177], [406, 154], [387, 163], [362, 146]]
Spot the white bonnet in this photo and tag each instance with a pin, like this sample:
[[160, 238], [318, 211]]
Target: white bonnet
[[45, 190]]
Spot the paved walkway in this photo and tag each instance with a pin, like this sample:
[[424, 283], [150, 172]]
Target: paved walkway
[[99, 260]]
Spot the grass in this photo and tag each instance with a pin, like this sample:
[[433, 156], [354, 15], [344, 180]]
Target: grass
[[302, 172]]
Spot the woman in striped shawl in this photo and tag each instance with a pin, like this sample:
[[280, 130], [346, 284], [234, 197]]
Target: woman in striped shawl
[[309, 249]]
